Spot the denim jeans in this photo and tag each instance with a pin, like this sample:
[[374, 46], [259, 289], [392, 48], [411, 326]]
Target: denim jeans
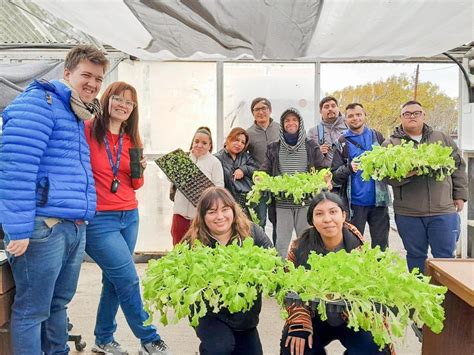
[[440, 233], [46, 279], [110, 241]]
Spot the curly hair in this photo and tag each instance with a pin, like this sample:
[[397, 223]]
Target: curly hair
[[200, 231]]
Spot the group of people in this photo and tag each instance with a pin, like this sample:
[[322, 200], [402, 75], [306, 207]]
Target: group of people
[[66, 188], [74, 192]]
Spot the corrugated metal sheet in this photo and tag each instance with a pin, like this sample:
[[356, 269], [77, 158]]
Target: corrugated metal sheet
[[24, 23]]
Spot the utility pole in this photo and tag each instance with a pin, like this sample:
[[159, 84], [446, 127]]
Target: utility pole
[[416, 81]]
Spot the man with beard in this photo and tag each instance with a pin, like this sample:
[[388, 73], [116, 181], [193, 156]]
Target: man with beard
[[332, 125], [367, 200]]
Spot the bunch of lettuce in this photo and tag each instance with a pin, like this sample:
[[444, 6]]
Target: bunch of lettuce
[[398, 161], [190, 281], [299, 186], [379, 294]]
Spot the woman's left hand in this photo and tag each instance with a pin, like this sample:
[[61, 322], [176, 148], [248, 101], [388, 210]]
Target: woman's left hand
[[143, 162], [238, 174]]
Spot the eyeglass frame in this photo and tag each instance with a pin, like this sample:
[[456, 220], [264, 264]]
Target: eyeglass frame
[[415, 114], [260, 109], [121, 101]]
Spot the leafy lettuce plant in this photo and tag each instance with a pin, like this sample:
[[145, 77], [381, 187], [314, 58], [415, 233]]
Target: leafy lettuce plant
[[380, 294], [192, 280], [299, 186], [397, 161]]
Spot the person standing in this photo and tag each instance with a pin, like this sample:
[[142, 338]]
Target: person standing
[[332, 125], [426, 209], [367, 200], [47, 195], [263, 132], [183, 210], [292, 153], [112, 234], [238, 166]]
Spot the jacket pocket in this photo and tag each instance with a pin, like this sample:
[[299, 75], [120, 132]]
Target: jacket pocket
[[42, 191]]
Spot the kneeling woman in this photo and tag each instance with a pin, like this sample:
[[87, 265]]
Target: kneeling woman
[[220, 220], [304, 332]]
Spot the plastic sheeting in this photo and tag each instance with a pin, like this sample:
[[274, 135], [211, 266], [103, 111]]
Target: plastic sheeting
[[15, 77], [272, 29]]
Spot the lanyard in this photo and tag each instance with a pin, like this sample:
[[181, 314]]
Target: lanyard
[[115, 167]]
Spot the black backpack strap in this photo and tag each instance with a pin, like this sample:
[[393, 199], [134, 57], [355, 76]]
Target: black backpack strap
[[320, 128]]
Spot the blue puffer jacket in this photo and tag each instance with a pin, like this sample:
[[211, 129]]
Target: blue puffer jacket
[[45, 167]]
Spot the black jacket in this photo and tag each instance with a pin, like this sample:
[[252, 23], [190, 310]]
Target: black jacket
[[245, 320], [244, 162]]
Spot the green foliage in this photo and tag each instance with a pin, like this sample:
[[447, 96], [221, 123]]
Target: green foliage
[[375, 287], [178, 166], [191, 281], [299, 186], [382, 100], [396, 162]]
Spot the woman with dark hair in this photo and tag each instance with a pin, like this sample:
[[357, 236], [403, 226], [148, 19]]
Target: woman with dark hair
[[220, 220], [200, 153], [238, 165], [304, 332], [112, 234]]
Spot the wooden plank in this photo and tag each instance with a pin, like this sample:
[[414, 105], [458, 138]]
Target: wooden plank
[[456, 274]]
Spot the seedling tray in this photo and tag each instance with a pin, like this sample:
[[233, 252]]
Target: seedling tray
[[184, 174]]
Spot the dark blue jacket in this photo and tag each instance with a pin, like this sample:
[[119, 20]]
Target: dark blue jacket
[[45, 165]]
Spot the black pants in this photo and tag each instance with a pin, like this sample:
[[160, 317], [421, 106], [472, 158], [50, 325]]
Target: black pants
[[217, 338], [378, 220], [356, 343]]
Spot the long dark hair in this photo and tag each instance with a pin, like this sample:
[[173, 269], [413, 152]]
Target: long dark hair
[[311, 239], [199, 230], [130, 127]]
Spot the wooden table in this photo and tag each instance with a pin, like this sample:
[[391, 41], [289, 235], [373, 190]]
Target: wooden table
[[457, 337]]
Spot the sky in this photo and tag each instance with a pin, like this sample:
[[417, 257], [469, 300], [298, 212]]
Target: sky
[[337, 76]]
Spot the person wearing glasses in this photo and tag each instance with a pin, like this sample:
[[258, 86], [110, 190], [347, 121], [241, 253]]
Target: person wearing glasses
[[112, 234], [426, 210], [47, 195], [264, 131]]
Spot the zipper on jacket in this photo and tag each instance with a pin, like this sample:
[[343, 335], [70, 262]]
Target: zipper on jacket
[[82, 164]]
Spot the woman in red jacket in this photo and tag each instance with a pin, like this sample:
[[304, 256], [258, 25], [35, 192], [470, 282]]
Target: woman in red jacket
[[112, 234]]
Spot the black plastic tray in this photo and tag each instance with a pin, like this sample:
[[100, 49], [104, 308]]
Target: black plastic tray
[[184, 174]]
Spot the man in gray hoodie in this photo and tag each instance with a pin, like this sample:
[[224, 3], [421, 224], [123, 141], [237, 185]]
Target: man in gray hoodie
[[263, 132], [331, 127]]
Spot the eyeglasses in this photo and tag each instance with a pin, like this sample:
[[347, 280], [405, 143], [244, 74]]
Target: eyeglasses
[[121, 101], [408, 114], [260, 109]]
